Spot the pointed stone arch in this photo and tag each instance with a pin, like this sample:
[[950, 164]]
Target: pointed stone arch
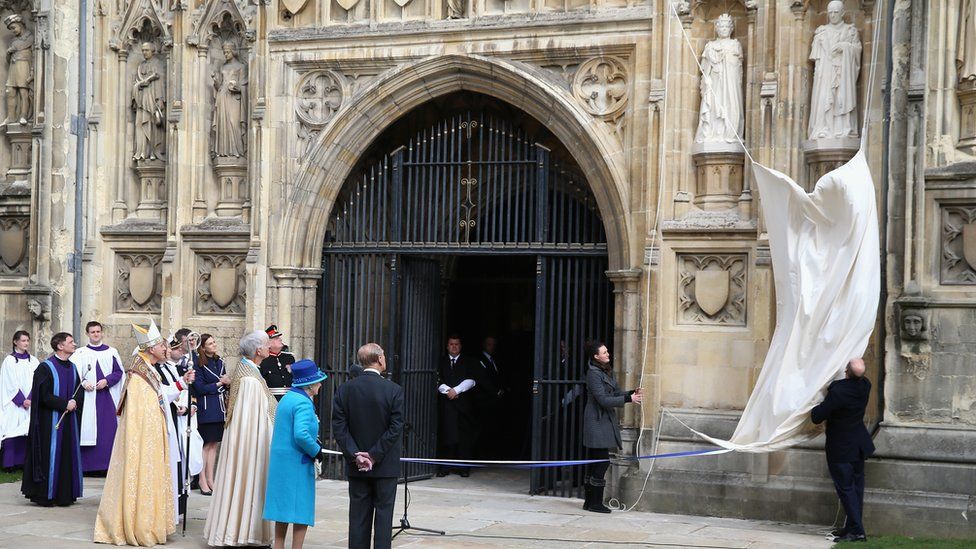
[[140, 17], [219, 17]]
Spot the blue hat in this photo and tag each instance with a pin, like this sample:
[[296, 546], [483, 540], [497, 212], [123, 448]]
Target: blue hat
[[305, 372]]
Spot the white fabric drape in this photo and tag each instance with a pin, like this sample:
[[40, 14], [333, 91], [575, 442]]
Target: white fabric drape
[[15, 375], [82, 359], [826, 260]]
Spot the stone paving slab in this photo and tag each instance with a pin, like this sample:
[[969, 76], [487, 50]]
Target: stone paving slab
[[489, 510]]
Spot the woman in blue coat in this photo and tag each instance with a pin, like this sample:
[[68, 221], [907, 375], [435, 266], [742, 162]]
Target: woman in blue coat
[[211, 383], [290, 496]]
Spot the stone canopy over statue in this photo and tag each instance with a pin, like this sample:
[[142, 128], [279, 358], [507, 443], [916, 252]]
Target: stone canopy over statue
[[20, 71], [720, 117], [229, 127], [149, 102], [836, 53]]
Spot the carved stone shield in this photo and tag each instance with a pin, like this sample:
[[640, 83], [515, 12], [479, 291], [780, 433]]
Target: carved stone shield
[[712, 290], [347, 4], [294, 6], [969, 244], [223, 285], [142, 283], [12, 245]]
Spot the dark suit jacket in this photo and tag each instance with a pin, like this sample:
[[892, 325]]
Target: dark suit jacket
[[843, 410], [367, 416]]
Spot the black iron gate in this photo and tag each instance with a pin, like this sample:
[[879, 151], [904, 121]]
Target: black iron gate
[[469, 184]]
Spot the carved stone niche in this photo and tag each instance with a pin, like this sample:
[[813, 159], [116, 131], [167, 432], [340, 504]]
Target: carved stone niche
[[14, 231], [712, 289], [958, 245], [966, 91], [139, 282], [221, 284]]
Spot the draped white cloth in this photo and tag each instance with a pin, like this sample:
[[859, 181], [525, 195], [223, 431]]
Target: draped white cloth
[[82, 359], [826, 260], [15, 375]]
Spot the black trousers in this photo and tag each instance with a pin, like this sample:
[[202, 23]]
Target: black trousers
[[849, 483], [596, 471], [371, 511]]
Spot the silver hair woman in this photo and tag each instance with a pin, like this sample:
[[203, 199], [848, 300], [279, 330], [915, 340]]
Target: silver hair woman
[[235, 516]]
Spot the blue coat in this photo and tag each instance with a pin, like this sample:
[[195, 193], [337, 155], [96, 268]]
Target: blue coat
[[290, 495], [210, 397]]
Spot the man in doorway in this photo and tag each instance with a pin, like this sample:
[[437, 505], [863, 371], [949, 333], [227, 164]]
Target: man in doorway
[[490, 391], [276, 369], [848, 444], [367, 420], [102, 378], [457, 430]]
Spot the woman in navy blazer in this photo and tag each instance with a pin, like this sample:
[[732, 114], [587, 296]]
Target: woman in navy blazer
[[209, 387]]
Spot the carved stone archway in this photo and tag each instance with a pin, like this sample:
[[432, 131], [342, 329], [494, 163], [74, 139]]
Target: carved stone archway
[[298, 238]]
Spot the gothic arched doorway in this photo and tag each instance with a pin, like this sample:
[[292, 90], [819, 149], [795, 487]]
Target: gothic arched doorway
[[468, 215]]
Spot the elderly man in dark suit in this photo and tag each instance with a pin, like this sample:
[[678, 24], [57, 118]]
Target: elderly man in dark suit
[[367, 420], [848, 444]]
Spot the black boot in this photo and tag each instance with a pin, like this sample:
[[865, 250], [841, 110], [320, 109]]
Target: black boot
[[594, 497]]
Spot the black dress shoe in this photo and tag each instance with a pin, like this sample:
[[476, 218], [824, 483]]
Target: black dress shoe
[[852, 537], [465, 473], [839, 533]]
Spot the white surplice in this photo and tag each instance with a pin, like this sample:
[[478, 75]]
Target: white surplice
[[82, 359], [15, 375]]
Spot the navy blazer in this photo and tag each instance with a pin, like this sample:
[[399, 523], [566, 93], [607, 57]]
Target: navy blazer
[[843, 410], [367, 416], [210, 397]]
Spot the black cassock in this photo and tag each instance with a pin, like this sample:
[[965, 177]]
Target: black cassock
[[457, 422], [59, 482]]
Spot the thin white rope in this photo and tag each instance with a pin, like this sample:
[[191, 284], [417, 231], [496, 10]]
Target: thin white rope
[[872, 74]]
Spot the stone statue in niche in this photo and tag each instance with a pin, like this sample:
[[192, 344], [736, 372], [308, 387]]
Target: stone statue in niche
[[149, 102], [455, 9], [20, 71], [836, 54], [229, 125], [966, 45], [720, 116]]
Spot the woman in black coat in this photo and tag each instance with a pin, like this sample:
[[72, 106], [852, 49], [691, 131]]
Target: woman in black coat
[[601, 431]]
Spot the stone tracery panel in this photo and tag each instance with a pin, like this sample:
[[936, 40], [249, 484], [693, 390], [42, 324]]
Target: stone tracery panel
[[139, 282], [958, 245], [221, 284], [712, 289], [602, 86]]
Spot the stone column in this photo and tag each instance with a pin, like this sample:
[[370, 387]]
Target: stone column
[[718, 172], [152, 189], [231, 175]]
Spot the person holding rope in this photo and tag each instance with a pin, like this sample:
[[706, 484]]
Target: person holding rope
[[601, 431], [52, 467], [210, 386]]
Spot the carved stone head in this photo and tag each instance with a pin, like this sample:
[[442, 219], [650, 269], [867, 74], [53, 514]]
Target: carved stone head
[[15, 23], [724, 26], [913, 325], [230, 50], [148, 50], [835, 12]]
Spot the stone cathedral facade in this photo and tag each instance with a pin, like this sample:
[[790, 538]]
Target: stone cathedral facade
[[218, 136]]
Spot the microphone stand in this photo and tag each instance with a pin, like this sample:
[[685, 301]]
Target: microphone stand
[[404, 521]]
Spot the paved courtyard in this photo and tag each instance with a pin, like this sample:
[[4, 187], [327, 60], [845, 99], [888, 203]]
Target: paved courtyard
[[490, 509]]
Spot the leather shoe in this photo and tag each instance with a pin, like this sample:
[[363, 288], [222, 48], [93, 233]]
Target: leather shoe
[[852, 537], [465, 473], [841, 532]]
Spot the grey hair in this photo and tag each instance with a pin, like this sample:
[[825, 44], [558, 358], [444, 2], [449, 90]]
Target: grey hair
[[251, 342]]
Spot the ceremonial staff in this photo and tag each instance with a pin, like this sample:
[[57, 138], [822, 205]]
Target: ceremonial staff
[[185, 494], [57, 426]]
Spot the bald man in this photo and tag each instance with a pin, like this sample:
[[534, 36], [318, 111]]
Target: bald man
[[848, 444]]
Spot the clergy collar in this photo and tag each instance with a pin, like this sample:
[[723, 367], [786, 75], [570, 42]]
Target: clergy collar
[[102, 347], [64, 360], [20, 356]]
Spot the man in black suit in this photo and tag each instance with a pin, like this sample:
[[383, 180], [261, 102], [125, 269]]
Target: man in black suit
[[489, 391], [457, 425], [367, 421], [848, 444]]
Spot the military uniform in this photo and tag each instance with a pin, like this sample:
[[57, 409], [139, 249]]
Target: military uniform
[[275, 372]]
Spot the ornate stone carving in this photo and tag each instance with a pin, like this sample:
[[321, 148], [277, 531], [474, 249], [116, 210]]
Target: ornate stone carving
[[966, 90], [720, 116], [602, 86], [320, 94], [20, 72], [149, 105], [455, 9], [718, 175], [217, 20], [138, 282], [221, 283], [293, 7], [712, 289], [914, 325], [142, 20], [14, 233], [958, 245], [836, 53], [918, 365], [966, 44]]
